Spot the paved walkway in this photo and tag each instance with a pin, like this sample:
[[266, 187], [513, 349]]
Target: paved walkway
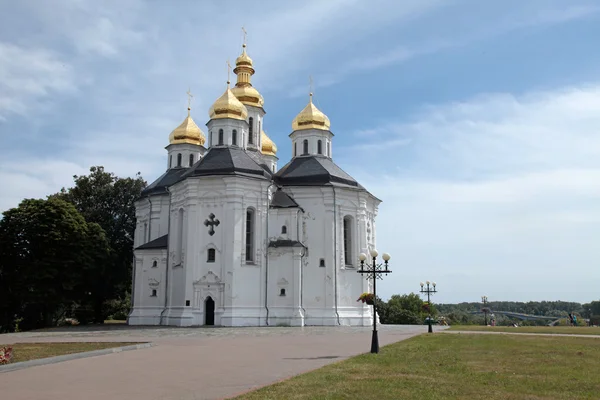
[[187, 363]]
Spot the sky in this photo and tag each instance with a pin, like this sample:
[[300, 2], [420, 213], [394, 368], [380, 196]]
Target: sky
[[477, 123]]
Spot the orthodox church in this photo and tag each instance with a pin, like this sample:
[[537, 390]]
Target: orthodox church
[[224, 237]]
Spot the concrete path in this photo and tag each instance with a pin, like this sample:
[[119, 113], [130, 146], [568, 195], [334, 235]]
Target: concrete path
[[187, 363]]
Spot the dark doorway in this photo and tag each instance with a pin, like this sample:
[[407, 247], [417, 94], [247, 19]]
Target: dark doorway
[[209, 311]]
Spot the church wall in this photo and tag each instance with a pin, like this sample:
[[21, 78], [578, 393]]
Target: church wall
[[318, 222], [152, 217], [248, 278], [149, 293], [228, 126], [236, 286], [316, 227], [285, 269], [271, 162], [185, 149], [257, 115], [312, 136], [362, 207]]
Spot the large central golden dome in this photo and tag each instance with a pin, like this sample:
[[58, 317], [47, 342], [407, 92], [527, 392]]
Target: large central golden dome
[[187, 132], [311, 118], [243, 90], [268, 147], [228, 106]]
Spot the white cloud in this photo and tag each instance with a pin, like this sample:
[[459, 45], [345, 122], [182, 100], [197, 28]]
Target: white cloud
[[27, 74], [493, 194], [42, 178]]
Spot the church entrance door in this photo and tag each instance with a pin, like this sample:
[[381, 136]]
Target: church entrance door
[[209, 311]]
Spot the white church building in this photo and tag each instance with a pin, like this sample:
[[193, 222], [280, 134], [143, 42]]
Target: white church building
[[224, 237]]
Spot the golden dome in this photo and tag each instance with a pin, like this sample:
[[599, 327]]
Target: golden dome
[[187, 132], [311, 118], [248, 95], [243, 90], [268, 146], [228, 106], [243, 59]]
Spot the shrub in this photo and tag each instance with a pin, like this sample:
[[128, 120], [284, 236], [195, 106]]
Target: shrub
[[5, 355]]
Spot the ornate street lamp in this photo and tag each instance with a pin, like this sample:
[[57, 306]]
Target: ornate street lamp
[[374, 273], [429, 291], [485, 309]]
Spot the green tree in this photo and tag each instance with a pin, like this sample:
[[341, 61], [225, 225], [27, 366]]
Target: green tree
[[403, 317], [411, 302], [403, 309], [108, 200], [47, 250]]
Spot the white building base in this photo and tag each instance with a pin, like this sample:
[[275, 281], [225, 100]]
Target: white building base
[[145, 316]]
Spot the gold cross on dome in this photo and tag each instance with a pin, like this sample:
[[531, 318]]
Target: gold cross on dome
[[228, 70], [244, 33], [310, 84], [190, 95]]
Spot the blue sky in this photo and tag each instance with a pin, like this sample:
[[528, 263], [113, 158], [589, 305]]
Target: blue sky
[[477, 123]]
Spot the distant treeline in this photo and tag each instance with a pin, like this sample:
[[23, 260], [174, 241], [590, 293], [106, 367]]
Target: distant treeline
[[411, 309], [541, 308]]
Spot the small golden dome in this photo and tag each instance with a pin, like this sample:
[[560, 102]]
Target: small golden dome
[[248, 95], [187, 132], [268, 146], [243, 59], [228, 106], [310, 118], [243, 89]]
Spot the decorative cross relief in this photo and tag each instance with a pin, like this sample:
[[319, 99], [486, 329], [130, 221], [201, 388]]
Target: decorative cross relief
[[211, 222]]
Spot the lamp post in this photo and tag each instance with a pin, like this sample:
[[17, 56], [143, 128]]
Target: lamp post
[[374, 273], [485, 310], [429, 291]]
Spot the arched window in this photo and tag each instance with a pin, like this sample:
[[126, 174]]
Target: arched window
[[234, 137], [305, 143], [179, 159], [320, 147], [154, 264], [250, 130], [153, 293], [211, 255], [145, 232], [284, 229], [273, 168], [171, 161], [179, 243], [282, 292], [210, 139], [220, 136], [259, 127], [328, 149], [348, 240], [191, 160], [295, 149], [250, 235]]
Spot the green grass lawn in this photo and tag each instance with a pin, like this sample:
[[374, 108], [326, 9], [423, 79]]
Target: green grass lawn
[[443, 366], [33, 351], [567, 330]]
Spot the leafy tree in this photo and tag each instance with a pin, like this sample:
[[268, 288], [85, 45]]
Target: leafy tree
[[411, 302], [47, 252], [591, 309], [402, 309], [103, 198], [403, 317]]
